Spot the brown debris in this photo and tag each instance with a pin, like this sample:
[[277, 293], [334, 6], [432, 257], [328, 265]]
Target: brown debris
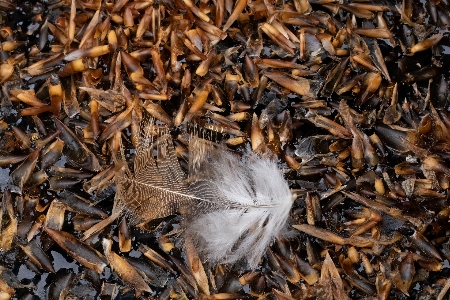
[[351, 98]]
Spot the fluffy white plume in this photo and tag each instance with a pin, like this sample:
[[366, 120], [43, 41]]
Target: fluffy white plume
[[248, 206]]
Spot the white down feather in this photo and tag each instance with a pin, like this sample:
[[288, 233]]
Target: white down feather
[[251, 205]]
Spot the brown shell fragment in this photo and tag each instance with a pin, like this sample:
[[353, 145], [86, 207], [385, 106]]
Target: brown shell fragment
[[297, 85], [331, 126], [91, 52], [52, 153], [6, 160], [307, 272], [370, 85], [6, 291], [333, 238], [198, 102], [9, 230], [124, 237], [357, 151], [426, 44], [75, 150], [404, 275], [370, 155], [57, 184], [6, 70], [197, 268], [23, 139], [240, 5], [331, 281], [55, 215], [83, 222], [62, 285], [155, 257], [84, 254], [22, 173], [125, 270], [391, 115], [38, 256], [157, 112], [100, 181], [159, 68]]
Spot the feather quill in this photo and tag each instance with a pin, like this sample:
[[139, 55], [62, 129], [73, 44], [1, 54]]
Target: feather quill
[[233, 206]]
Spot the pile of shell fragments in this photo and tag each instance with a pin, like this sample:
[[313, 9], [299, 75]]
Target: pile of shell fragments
[[352, 98]]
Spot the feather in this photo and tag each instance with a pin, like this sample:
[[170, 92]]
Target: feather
[[248, 204], [234, 206], [158, 188]]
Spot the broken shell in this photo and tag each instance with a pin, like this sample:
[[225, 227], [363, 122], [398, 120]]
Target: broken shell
[[125, 270], [22, 173]]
